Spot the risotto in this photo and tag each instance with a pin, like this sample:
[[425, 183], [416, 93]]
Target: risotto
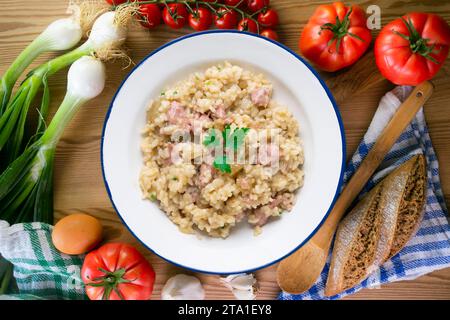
[[218, 150]]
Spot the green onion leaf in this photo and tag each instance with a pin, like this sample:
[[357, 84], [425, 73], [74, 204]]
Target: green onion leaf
[[43, 110]]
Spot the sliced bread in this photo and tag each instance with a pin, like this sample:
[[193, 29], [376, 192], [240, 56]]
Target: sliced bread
[[405, 192], [379, 226], [411, 206], [356, 243]]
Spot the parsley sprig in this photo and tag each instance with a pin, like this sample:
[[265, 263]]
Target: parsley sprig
[[230, 140]]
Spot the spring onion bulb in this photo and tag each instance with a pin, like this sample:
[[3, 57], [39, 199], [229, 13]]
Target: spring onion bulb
[[26, 188], [59, 35], [107, 35]]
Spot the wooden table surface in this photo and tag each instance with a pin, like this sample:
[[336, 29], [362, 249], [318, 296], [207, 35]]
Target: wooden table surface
[[78, 180]]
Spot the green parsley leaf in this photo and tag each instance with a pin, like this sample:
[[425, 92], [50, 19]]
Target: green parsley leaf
[[239, 135], [232, 140], [226, 133], [211, 139], [220, 163], [235, 139]]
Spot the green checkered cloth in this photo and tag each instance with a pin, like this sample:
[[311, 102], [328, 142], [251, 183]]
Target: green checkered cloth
[[40, 271]]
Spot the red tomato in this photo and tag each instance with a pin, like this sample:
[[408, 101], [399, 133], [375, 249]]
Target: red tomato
[[150, 14], [268, 18], [269, 33], [248, 25], [226, 18], [200, 19], [233, 3], [256, 5], [116, 2], [175, 15], [117, 271], [412, 49], [335, 36]]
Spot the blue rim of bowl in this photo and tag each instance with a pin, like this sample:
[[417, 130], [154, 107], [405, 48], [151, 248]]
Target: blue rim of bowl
[[330, 96]]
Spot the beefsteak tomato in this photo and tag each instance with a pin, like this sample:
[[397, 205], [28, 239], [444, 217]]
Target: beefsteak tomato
[[412, 49], [335, 36], [117, 271]]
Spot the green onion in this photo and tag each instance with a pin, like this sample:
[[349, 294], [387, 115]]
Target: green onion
[[12, 122], [105, 36], [26, 186], [61, 34]]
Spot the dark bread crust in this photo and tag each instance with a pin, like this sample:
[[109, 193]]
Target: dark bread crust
[[411, 206], [363, 251], [355, 243]]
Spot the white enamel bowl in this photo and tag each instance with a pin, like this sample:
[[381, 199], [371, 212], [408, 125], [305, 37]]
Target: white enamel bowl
[[296, 85]]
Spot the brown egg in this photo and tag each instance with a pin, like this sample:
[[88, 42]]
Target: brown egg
[[77, 233]]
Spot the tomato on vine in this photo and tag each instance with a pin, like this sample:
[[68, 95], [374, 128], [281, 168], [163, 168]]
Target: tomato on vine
[[150, 15], [244, 15], [200, 19], [226, 18], [175, 15], [116, 2], [269, 33], [256, 5], [268, 18], [248, 25], [239, 3]]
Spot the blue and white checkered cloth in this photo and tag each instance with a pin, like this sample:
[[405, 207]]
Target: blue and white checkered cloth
[[429, 249]]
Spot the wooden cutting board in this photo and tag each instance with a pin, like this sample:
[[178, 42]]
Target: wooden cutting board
[[78, 179]]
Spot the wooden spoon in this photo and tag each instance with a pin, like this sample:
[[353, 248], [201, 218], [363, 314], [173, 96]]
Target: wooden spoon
[[298, 272]]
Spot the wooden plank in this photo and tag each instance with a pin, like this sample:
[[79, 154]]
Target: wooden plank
[[78, 182]]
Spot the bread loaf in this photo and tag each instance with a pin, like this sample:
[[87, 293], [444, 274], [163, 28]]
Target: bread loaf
[[379, 226], [405, 192], [356, 243]]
